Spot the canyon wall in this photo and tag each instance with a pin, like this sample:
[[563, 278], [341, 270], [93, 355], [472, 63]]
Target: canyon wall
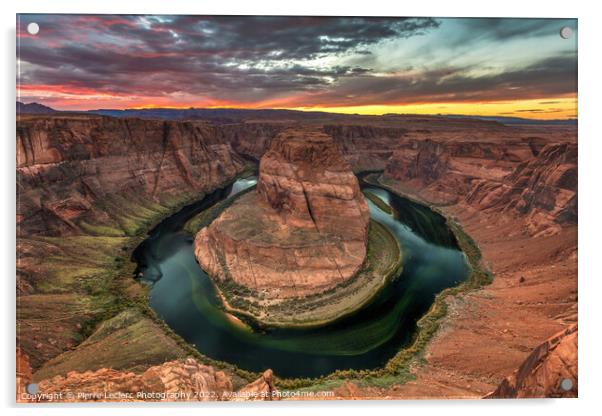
[[68, 165], [178, 380], [514, 191], [366, 147], [305, 177], [543, 189], [542, 374], [87, 185], [251, 139], [526, 178]]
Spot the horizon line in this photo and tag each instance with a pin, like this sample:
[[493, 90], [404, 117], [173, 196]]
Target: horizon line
[[303, 110]]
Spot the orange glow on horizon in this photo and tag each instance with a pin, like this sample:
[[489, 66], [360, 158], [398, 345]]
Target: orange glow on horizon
[[82, 99], [546, 108]]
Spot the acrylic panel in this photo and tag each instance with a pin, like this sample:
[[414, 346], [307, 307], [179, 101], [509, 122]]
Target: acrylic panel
[[295, 208]]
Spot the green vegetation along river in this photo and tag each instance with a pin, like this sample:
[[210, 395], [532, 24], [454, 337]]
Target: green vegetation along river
[[184, 297]]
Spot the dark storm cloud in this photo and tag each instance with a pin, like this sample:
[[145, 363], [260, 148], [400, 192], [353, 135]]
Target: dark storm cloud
[[251, 37], [259, 37], [298, 61], [554, 76], [505, 29], [165, 54], [122, 73]]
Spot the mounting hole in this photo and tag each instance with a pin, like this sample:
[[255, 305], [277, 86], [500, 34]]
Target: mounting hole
[[566, 384], [32, 388], [33, 28], [566, 32]]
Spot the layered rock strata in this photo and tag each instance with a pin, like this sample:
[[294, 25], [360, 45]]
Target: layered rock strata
[[523, 178], [178, 380], [549, 371], [85, 184], [543, 189], [303, 232], [69, 165]]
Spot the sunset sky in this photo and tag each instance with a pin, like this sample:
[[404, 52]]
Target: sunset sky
[[504, 67]]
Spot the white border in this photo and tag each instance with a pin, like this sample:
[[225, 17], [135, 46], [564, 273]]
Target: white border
[[590, 159]]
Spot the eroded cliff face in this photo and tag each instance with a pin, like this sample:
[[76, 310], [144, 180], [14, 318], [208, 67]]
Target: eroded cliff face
[[425, 162], [510, 191], [302, 232], [366, 147], [305, 178], [443, 172], [524, 178], [172, 381], [543, 372], [251, 139], [85, 186], [543, 189], [69, 166]]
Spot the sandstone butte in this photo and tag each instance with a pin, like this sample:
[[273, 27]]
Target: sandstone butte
[[305, 229]]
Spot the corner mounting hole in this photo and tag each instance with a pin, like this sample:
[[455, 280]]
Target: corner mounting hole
[[566, 32], [32, 388], [33, 28], [566, 384]]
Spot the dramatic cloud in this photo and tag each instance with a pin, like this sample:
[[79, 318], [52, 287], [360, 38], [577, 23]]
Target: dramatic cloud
[[549, 77], [504, 29], [87, 61]]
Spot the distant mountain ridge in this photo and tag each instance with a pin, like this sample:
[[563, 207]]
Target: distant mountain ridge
[[218, 114], [518, 120], [228, 115], [33, 108]]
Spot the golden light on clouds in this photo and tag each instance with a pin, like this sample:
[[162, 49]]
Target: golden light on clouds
[[548, 109]]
